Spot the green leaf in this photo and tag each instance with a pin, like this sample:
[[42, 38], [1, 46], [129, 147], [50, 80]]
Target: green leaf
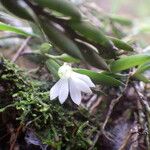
[[90, 32], [89, 53], [100, 78], [18, 8], [62, 6], [6, 27], [53, 67], [63, 57], [121, 20], [60, 40], [141, 78], [129, 62], [120, 44], [143, 68]]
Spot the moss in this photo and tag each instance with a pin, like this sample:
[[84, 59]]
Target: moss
[[58, 126]]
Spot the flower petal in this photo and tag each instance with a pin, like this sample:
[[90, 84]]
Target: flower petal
[[81, 85], [54, 91], [84, 78], [75, 93], [63, 91]]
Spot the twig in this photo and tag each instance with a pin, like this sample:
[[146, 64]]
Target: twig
[[21, 49], [141, 114], [144, 102], [122, 147], [142, 98], [111, 106], [113, 103], [15, 137], [95, 140], [96, 104], [9, 36]]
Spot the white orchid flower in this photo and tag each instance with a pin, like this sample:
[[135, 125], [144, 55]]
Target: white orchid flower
[[70, 82]]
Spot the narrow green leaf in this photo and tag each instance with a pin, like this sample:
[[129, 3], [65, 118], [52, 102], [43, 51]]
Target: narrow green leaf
[[18, 8], [53, 67], [62, 6], [121, 20], [141, 78], [143, 68], [139, 72], [129, 62], [6, 27], [89, 31], [100, 78], [60, 40], [120, 44], [89, 53], [63, 57], [115, 75]]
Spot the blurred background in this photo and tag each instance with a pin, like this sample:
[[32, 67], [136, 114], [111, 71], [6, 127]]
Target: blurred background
[[130, 8], [137, 11]]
